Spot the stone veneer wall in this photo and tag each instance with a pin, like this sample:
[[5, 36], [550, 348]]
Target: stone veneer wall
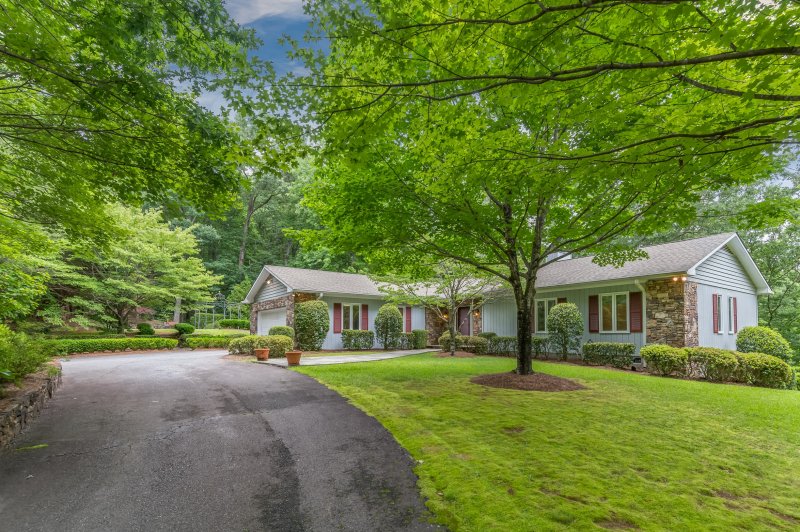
[[288, 302], [22, 409], [435, 326], [672, 313]]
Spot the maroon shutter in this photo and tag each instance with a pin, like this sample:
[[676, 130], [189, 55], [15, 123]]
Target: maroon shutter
[[594, 314], [364, 317], [561, 300], [408, 319], [337, 317], [715, 312], [635, 305], [735, 317]]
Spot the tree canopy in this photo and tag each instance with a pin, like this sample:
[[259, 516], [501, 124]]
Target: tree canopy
[[501, 135]]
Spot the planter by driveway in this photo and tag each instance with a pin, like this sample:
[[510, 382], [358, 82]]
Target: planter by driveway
[[187, 441]]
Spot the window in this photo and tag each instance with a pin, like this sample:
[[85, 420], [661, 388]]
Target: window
[[543, 307], [350, 316], [614, 312], [730, 315], [718, 313]]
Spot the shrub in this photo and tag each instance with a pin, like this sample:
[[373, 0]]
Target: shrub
[[501, 345], [278, 344], [565, 328], [82, 336], [420, 338], [539, 346], [146, 329], [311, 324], [665, 360], [713, 364], [406, 340], [211, 335], [388, 326], [246, 345], [444, 341], [357, 339], [760, 369], [617, 354], [91, 345], [487, 335], [184, 328], [19, 355], [231, 323], [195, 342], [763, 340], [283, 330], [473, 344]]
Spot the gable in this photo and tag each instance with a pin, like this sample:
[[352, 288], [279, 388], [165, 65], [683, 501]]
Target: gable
[[724, 270], [271, 288]]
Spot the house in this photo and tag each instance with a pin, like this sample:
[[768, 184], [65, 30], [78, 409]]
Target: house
[[353, 301], [696, 292]]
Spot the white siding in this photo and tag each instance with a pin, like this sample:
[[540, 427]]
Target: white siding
[[500, 316], [747, 313], [723, 270], [334, 341], [273, 290]]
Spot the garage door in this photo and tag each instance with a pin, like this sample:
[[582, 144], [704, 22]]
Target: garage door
[[270, 318]]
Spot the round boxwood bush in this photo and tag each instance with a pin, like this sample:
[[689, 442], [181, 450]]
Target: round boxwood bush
[[184, 328], [278, 344], [763, 340], [311, 324], [284, 330], [246, 345], [713, 364], [665, 360], [760, 369], [388, 326], [146, 329], [565, 328]]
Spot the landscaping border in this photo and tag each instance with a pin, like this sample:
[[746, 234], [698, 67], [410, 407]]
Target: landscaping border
[[26, 405]]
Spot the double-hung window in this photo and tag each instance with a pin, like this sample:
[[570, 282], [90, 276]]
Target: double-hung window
[[614, 312], [350, 316], [543, 307]]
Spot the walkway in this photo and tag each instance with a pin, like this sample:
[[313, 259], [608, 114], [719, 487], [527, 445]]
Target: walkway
[[346, 359]]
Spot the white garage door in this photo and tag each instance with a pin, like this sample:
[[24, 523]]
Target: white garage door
[[270, 318]]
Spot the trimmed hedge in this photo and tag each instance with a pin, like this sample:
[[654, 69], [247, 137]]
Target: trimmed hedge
[[195, 342], [311, 324], [184, 328], [210, 335], [66, 347], [420, 338], [283, 330], [278, 344], [357, 339], [539, 346], [232, 323], [246, 345], [501, 345], [406, 340], [718, 365], [760, 369], [665, 360], [389, 326], [617, 354], [473, 344], [764, 340], [83, 336]]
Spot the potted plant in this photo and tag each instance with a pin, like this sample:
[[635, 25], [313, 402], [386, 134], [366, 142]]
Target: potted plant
[[293, 357], [262, 353]]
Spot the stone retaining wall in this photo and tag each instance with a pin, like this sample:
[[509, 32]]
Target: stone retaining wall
[[23, 408]]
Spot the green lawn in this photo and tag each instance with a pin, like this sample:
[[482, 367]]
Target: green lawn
[[630, 451], [339, 353]]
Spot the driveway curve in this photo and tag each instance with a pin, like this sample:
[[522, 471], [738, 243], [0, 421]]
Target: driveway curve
[[189, 441]]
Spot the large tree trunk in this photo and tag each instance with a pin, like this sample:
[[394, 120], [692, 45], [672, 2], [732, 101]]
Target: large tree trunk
[[453, 334], [251, 208], [176, 315], [524, 345]]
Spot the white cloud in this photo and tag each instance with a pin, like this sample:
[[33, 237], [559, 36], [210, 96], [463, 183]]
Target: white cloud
[[246, 11]]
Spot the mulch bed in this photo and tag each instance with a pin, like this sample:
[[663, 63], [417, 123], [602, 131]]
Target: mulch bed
[[537, 382], [458, 354]]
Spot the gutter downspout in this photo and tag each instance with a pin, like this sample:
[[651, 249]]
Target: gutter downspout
[[638, 284]]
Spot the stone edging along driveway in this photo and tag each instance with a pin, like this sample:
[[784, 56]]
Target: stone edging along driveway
[[19, 410]]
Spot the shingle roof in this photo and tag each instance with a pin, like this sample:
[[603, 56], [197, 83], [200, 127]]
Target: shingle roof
[[674, 257], [302, 280]]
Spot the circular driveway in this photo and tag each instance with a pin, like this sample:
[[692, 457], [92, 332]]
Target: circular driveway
[[189, 441]]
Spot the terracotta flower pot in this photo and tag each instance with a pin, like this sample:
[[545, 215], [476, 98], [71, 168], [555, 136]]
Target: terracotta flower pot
[[293, 357], [262, 354]]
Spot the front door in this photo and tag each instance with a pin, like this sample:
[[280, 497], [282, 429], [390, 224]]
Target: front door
[[463, 321]]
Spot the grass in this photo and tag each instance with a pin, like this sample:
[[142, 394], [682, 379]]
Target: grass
[[630, 451], [340, 353]]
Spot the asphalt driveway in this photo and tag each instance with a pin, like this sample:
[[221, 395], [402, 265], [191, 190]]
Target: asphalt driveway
[[189, 441]]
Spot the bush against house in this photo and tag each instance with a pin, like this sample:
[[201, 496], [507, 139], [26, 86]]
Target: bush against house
[[284, 330], [311, 324], [357, 339], [665, 360], [565, 328], [764, 340], [617, 354], [388, 326]]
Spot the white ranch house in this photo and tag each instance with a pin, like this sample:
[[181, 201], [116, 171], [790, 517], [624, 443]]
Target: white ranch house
[[697, 292]]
